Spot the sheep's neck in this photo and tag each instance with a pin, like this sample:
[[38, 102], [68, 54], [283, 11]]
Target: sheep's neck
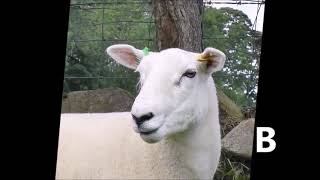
[[194, 151]]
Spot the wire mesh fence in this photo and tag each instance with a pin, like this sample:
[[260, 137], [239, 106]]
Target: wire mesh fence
[[95, 25]]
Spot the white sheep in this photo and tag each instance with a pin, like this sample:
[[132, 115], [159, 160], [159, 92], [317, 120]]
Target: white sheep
[[176, 130]]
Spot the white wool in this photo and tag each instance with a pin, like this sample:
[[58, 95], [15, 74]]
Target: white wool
[[186, 140]]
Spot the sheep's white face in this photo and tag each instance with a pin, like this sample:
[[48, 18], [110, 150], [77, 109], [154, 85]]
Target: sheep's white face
[[173, 88]]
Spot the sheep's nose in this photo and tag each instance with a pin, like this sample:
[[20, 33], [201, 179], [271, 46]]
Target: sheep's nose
[[143, 118]]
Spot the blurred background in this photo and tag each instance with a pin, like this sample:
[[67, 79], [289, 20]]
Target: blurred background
[[95, 25]]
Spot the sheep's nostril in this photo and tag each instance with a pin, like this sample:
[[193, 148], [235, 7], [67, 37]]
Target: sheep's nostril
[[143, 118], [135, 118], [147, 116]]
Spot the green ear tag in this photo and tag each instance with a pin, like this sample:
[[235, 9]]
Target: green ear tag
[[145, 51]]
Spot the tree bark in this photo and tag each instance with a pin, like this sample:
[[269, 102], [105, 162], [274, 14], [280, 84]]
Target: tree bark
[[178, 24]]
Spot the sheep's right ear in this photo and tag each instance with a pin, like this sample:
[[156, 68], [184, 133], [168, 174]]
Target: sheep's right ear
[[212, 60], [125, 55]]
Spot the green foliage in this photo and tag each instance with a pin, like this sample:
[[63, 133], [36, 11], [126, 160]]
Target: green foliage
[[93, 27], [230, 31]]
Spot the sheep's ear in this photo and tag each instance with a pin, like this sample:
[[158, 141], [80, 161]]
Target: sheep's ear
[[211, 60], [125, 55]]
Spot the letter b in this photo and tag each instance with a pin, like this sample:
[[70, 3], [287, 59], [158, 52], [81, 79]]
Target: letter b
[[261, 139]]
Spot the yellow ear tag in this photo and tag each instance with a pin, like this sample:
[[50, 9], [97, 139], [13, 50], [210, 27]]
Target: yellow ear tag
[[201, 57]]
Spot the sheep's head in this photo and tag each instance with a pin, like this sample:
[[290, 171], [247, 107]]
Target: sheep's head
[[174, 88]]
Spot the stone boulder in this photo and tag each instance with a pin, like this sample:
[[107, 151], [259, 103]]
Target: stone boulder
[[239, 141], [97, 101], [230, 114]]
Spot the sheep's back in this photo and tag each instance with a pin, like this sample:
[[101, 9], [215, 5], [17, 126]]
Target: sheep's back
[[104, 146]]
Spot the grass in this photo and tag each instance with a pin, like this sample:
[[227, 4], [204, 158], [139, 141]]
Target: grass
[[232, 168]]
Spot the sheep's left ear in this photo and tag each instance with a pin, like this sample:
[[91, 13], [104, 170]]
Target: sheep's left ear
[[211, 60], [125, 55]]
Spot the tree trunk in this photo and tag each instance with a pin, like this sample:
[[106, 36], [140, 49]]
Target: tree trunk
[[179, 25]]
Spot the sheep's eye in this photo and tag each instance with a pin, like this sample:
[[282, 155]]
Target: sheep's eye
[[189, 74]]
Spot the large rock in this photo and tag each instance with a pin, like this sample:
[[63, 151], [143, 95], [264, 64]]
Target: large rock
[[97, 101], [230, 114], [239, 141]]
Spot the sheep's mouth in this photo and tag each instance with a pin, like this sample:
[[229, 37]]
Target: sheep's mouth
[[148, 132]]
